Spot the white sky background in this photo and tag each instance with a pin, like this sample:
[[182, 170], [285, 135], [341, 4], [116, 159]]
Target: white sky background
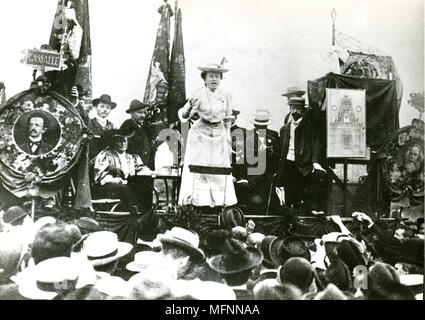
[[270, 45]]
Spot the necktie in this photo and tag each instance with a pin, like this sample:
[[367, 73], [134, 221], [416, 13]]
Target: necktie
[[34, 146]]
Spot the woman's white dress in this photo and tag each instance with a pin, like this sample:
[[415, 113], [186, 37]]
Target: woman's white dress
[[208, 144]]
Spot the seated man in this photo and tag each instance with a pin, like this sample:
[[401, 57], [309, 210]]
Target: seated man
[[117, 174]]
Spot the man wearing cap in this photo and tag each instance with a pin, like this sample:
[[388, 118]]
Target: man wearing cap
[[140, 142], [259, 185], [292, 92], [299, 169], [100, 123]]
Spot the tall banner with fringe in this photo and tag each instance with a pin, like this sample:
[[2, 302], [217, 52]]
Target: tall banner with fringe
[[70, 35], [157, 86], [177, 94]]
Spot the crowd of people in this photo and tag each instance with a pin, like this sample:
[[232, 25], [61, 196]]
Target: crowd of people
[[50, 259]]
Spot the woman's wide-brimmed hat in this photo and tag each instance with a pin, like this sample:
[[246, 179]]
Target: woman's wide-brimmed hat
[[49, 278], [106, 99], [281, 249], [185, 239], [137, 105], [294, 91], [213, 67], [236, 257], [262, 117], [103, 247]]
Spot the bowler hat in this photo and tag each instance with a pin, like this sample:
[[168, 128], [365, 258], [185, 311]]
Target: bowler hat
[[231, 217], [106, 99], [213, 67], [13, 214], [265, 249], [294, 91], [236, 257], [281, 249], [136, 105]]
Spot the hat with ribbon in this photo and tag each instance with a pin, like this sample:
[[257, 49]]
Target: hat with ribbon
[[296, 101], [213, 67], [294, 92], [106, 99], [262, 117], [137, 105], [185, 239], [236, 257], [49, 278], [103, 247]]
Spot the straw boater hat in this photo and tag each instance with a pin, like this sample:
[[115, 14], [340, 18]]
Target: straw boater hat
[[49, 278], [184, 239], [294, 92], [136, 105], [262, 117], [103, 247], [213, 67], [236, 258], [106, 99]]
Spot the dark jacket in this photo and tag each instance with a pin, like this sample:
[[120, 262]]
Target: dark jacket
[[307, 145], [43, 148], [140, 142], [97, 144]]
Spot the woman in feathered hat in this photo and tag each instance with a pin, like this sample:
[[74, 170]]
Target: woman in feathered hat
[[208, 143]]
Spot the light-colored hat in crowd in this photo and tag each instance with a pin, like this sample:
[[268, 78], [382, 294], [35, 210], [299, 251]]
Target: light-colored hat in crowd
[[103, 247], [183, 238], [202, 290], [262, 117], [145, 259], [254, 239], [155, 282], [113, 286], [49, 278]]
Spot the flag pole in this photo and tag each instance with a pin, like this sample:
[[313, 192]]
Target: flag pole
[[333, 16]]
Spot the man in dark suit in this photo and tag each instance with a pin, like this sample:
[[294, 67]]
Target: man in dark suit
[[37, 124], [140, 142], [100, 123], [292, 92], [259, 185], [299, 166], [240, 177]]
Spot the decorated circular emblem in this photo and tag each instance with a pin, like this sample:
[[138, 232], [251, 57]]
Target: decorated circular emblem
[[403, 163], [39, 134]]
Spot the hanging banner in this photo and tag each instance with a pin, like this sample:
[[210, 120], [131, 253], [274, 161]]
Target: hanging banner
[[346, 123]]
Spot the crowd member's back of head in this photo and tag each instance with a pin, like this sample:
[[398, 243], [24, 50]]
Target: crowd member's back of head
[[271, 289], [54, 240], [297, 272]]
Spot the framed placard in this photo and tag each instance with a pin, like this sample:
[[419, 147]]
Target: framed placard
[[346, 123]]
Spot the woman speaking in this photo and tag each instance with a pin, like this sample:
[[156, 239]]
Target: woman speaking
[[208, 143]]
